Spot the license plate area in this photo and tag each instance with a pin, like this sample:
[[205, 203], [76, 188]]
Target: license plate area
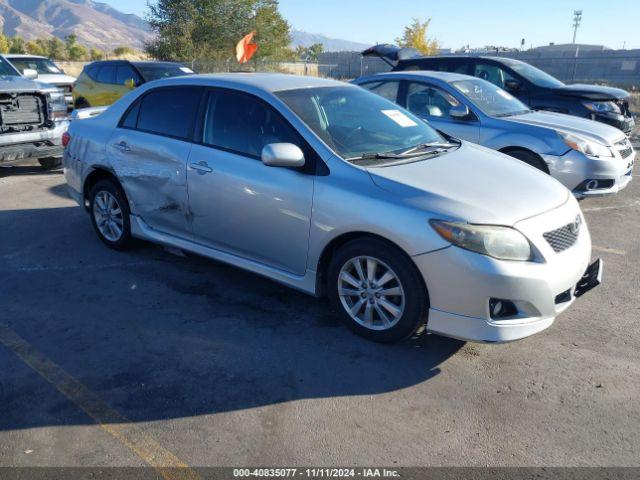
[[590, 280]]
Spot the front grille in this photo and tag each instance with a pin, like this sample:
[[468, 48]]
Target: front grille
[[21, 111], [624, 148], [564, 237]]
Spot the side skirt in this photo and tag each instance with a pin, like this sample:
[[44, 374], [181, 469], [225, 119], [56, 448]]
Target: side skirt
[[305, 283]]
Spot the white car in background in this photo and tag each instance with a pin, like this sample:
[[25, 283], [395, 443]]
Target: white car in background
[[47, 70]]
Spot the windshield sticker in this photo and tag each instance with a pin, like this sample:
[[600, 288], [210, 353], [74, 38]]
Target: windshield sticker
[[504, 94], [400, 118], [186, 70]]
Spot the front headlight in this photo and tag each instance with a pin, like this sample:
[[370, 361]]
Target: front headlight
[[584, 145], [602, 107], [504, 243], [58, 109]]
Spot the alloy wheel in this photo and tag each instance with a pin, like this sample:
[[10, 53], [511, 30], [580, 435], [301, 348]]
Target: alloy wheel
[[108, 215], [371, 293]]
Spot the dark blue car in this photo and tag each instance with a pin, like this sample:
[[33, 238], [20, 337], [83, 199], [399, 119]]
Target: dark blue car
[[529, 84]]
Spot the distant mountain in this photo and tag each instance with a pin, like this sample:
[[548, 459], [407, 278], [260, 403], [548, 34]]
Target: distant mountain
[[95, 24], [300, 38]]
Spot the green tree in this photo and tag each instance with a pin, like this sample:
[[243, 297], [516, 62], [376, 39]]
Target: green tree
[[36, 48], [5, 44], [415, 36], [17, 45], [310, 53], [75, 51], [56, 49], [120, 51], [188, 30], [95, 54]]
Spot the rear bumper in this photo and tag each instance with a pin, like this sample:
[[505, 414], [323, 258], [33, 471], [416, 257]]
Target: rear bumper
[[16, 147], [574, 169]]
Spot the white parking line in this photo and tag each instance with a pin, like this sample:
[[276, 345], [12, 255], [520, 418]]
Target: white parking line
[[635, 203], [614, 251]]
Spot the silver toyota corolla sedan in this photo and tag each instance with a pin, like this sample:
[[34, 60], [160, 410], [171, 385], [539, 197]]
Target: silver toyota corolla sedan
[[331, 189], [588, 157]]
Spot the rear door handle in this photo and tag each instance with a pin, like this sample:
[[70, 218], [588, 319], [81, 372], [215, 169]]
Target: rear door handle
[[122, 146], [201, 167]]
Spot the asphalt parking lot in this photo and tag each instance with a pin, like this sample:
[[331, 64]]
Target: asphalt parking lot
[[146, 356]]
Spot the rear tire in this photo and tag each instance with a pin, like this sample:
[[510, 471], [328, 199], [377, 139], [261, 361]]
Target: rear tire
[[384, 299], [529, 158], [109, 210], [81, 103], [50, 163]]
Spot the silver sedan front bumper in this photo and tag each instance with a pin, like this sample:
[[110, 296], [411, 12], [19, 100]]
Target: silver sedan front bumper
[[581, 174]]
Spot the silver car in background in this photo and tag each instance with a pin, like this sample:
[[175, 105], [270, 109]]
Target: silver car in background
[[330, 189], [589, 158]]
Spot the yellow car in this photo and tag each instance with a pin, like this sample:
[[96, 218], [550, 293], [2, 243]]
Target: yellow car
[[102, 83]]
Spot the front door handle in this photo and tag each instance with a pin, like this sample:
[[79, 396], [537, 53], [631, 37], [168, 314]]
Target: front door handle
[[201, 167], [122, 146]]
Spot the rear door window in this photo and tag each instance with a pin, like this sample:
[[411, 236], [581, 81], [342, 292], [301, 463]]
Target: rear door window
[[386, 89], [170, 112], [124, 73], [106, 74]]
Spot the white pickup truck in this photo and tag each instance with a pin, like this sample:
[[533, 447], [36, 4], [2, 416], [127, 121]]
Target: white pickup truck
[[33, 117]]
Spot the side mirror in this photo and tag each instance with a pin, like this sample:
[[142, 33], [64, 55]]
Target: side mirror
[[459, 112], [512, 85], [30, 73], [282, 155], [130, 83]]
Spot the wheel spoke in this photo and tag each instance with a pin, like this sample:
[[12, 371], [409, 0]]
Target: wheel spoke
[[350, 279], [386, 278], [390, 307], [115, 228], [391, 292], [368, 314], [348, 292], [383, 315], [357, 306], [100, 202], [359, 271], [372, 265]]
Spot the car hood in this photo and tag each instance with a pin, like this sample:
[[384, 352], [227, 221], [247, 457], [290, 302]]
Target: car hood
[[600, 132], [21, 84], [473, 184], [56, 79], [591, 92]]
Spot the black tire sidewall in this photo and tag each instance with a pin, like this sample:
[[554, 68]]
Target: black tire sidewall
[[114, 189], [529, 158], [50, 163], [416, 298]]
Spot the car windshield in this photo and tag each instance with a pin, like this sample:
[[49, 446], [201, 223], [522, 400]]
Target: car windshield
[[492, 100], [156, 71], [6, 70], [356, 123], [533, 74], [43, 66]]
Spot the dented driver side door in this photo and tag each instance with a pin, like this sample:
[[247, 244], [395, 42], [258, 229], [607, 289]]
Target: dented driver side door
[[149, 152]]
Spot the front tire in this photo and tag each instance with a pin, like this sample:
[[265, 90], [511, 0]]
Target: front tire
[[110, 212], [529, 158], [377, 291], [50, 163]]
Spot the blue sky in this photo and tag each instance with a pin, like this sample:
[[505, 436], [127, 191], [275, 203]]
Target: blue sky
[[460, 22]]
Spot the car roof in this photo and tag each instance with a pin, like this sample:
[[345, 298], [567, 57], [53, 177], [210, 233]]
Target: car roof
[[138, 63], [22, 55], [267, 82], [446, 77], [456, 57]]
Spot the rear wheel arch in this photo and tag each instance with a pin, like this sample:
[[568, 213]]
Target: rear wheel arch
[[94, 177], [527, 156]]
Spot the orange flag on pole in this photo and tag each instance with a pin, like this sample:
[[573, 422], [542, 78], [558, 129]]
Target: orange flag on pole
[[246, 48]]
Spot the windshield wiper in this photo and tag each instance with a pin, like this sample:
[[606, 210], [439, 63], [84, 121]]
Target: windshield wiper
[[419, 149], [512, 114]]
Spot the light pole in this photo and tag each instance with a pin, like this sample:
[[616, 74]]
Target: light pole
[[577, 18]]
